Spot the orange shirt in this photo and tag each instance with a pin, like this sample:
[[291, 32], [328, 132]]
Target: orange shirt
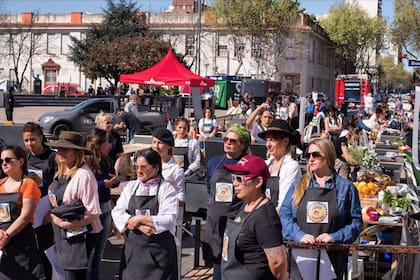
[[29, 189]]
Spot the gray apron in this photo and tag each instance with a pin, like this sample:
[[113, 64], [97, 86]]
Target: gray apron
[[148, 257], [20, 258], [72, 254], [181, 156], [231, 267], [321, 197], [223, 204]]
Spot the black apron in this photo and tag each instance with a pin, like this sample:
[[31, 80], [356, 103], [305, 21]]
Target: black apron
[[231, 267], [148, 257], [223, 204], [72, 254], [180, 155], [325, 219], [20, 258], [273, 186]]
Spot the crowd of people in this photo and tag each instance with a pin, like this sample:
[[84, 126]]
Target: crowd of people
[[56, 208]]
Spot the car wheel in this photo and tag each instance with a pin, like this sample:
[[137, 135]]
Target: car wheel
[[59, 128]]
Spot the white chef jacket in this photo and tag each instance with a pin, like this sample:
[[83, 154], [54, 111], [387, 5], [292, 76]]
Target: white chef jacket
[[168, 206], [289, 172], [174, 174]]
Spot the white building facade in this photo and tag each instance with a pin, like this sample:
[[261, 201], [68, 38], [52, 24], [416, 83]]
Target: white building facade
[[302, 63]]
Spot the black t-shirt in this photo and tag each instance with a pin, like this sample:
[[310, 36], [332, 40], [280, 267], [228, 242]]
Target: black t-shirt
[[42, 168], [261, 230]]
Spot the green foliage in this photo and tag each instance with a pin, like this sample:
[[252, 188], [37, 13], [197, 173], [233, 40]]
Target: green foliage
[[406, 31], [257, 17], [121, 44], [392, 75], [354, 33]]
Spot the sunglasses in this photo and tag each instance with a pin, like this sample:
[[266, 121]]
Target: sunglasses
[[314, 155], [6, 160], [229, 140], [240, 178], [108, 122]]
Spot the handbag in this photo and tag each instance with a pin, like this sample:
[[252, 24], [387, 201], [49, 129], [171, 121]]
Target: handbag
[[71, 212]]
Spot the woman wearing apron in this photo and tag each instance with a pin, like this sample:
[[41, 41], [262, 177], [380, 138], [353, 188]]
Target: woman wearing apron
[[42, 167], [186, 151], [146, 213], [163, 143], [19, 196], [74, 180], [252, 242], [322, 207], [223, 203], [100, 144], [283, 168]]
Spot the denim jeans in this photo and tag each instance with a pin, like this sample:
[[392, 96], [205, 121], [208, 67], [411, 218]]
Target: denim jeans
[[94, 265], [217, 272]]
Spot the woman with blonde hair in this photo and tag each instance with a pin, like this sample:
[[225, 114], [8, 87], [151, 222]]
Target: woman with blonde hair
[[322, 207], [74, 181], [104, 121]]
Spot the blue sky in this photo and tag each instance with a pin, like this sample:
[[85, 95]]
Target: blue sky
[[316, 7]]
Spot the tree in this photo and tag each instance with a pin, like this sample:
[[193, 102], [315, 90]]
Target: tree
[[264, 22], [355, 35], [406, 31], [392, 76], [108, 49], [20, 44]]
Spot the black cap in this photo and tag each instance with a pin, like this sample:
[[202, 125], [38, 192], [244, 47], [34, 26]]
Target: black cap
[[279, 127], [164, 135]]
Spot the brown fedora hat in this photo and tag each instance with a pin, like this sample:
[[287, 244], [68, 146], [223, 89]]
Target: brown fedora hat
[[70, 140]]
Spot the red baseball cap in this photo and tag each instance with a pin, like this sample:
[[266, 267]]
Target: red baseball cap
[[250, 165]]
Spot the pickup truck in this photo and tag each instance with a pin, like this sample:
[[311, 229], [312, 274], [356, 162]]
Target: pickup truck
[[81, 117]]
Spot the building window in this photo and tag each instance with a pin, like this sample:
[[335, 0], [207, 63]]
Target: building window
[[189, 44], [53, 43], [50, 75], [256, 47], [65, 43], [239, 47], [290, 53], [39, 44], [312, 51], [222, 46]]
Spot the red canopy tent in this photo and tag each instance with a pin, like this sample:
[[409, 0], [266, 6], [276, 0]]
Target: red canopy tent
[[167, 72]]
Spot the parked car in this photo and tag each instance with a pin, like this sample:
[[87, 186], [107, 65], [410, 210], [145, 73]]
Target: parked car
[[81, 117], [68, 88]]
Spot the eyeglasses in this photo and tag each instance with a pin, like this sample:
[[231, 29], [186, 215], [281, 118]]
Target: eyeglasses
[[108, 122], [240, 178], [314, 155], [6, 160], [229, 140]]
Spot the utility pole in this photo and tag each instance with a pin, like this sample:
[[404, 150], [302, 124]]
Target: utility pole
[[198, 42]]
